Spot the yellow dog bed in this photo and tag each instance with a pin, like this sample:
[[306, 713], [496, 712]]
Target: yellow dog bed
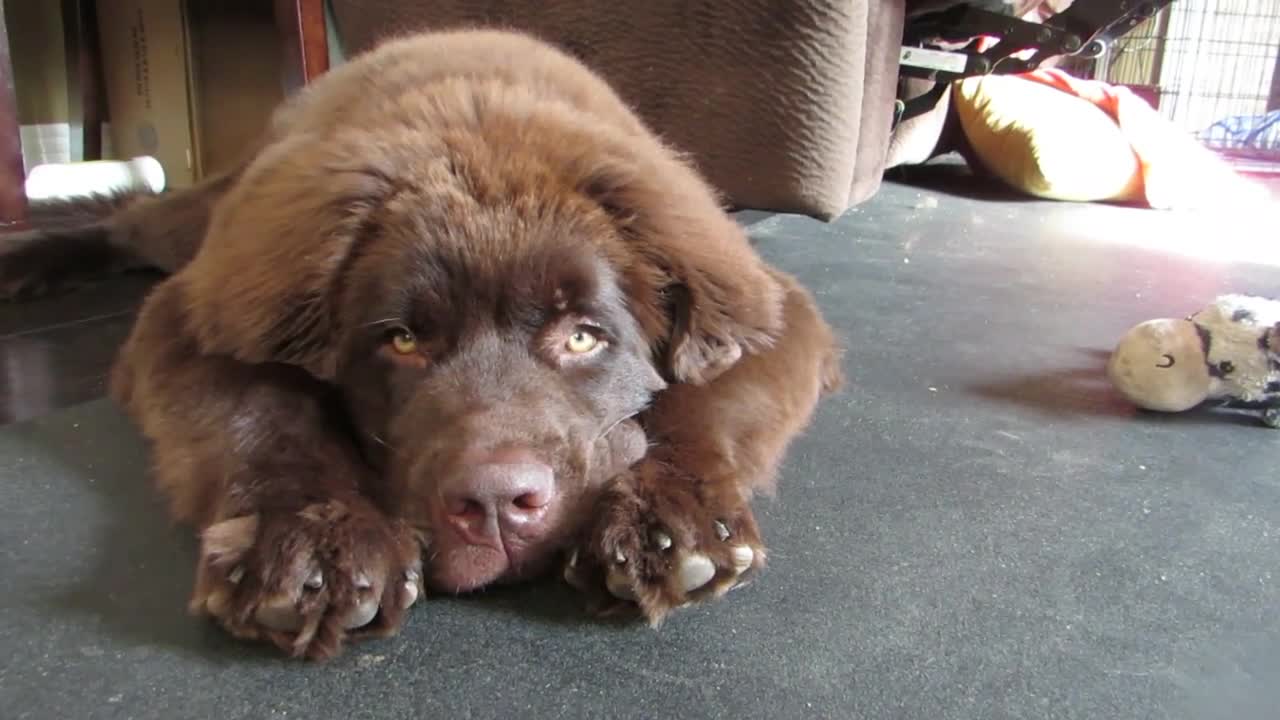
[[1046, 142], [1056, 136]]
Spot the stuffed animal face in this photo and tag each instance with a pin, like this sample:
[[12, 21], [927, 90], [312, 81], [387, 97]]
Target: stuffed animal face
[[1160, 365]]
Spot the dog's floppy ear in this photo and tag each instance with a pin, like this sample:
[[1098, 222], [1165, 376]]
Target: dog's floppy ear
[[697, 287], [263, 287]]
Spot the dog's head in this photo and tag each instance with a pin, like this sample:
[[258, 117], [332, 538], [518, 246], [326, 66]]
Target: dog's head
[[492, 303]]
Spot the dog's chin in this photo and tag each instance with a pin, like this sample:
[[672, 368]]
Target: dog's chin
[[462, 567]]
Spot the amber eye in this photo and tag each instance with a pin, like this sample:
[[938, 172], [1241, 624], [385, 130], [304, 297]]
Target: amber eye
[[581, 341], [403, 341]]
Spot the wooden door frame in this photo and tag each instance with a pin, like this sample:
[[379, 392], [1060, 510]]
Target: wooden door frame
[[305, 40]]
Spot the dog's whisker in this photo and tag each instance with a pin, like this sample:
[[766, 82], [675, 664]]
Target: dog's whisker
[[615, 424], [383, 321]]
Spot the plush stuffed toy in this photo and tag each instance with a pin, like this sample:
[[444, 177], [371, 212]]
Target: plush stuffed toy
[[1228, 353]]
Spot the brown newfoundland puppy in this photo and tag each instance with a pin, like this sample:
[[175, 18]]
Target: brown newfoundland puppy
[[458, 316]]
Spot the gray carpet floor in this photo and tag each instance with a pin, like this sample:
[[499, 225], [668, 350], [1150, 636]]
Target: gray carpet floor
[[976, 528]]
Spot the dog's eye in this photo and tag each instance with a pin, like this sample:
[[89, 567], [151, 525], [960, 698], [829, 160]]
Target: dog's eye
[[582, 341], [401, 347], [403, 342]]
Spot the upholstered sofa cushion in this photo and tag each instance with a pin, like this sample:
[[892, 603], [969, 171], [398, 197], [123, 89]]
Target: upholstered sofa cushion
[[783, 105]]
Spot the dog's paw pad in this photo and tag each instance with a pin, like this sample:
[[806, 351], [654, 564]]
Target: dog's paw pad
[[695, 571]]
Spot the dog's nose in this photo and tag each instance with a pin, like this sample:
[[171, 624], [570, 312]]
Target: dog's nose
[[506, 493]]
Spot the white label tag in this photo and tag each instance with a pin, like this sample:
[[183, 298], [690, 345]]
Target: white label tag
[[933, 59]]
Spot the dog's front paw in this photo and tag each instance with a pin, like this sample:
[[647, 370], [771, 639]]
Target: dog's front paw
[[308, 579], [662, 539]]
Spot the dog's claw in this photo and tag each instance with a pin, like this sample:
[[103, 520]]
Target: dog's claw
[[316, 581], [280, 616], [661, 540], [722, 530], [412, 586], [619, 585], [410, 593], [218, 603]]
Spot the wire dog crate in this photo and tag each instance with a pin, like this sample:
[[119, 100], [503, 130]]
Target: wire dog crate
[[1212, 67]]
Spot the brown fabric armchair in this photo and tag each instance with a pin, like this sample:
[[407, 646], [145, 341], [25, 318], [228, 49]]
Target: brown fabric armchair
[[784, 106]]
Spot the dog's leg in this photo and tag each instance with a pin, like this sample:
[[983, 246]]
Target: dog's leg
[[79, 243], [256, 457], [678, 527]]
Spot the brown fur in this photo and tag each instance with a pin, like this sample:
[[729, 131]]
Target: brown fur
[[488, 193]]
